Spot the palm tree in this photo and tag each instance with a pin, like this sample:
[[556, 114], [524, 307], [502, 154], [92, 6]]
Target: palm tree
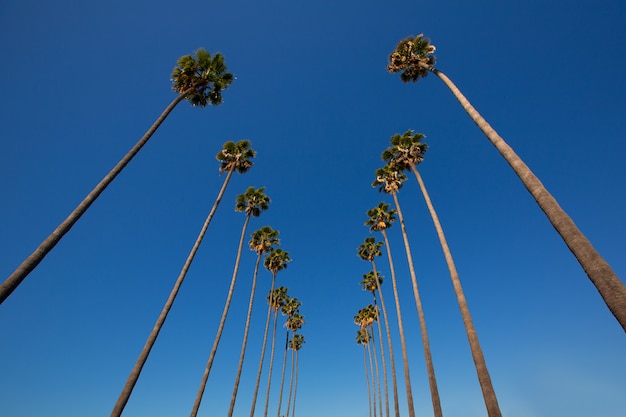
[[380, 219], [371, 282], [363, 338], [200, 80], [261, 242], [276, 300], [368, 251], [414, 59], [295, 345], [406, 152], [252, 203], [275, 261], [291, 308], [389, 179], [368, 316], [233, 157]]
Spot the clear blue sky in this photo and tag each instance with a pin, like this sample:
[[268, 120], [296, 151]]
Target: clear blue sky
[[82, 81]]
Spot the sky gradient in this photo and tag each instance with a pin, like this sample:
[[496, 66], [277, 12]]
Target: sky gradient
[[83, 82]]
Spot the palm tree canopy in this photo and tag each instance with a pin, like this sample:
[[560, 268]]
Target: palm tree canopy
[[406, 150], [366, 316], [369, 249], [296, 342], [236, 156], [371, 281], [253, 202], [201, 77], [276, 260], [262, 240], [294, 322], [363, 336], [276, 298], [290, 306], [380, 217], [389, 179], [413, 58]]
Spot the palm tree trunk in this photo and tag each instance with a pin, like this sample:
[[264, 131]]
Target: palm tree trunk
[[260, 371], [611, 289], [30, 263], [143, 356], [369, 353], [405, 358], [382, 356], [291, 376], [245, 338], [375, 354], [432, 381], [269, 376], [216, 342], [390, 345], [295, 388], [282, 378], [489, 395], [367, 378]]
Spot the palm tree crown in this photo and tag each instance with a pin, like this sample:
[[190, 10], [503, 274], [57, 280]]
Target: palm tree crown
[[201, 78], [413, 57], [389, 179], [406, 150], [253, 202], [236, 156], [380, 217], [369, 249], [263, 240], [371, 281], [276, 260]]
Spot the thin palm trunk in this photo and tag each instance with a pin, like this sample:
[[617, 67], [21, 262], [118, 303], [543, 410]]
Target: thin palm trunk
[[375, 354], [291, 376], [269, 376], [30, 263], [611, 289], [245, 338], [390, 345], [295, 388], [405, 358], [143, 356], [260, 371], [367, 379], [282, 378], [432, 381], [216, 342], [369, 354], [382, 357], [489, 395]]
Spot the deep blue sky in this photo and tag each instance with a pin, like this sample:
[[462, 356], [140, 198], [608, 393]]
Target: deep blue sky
[[83, 81]]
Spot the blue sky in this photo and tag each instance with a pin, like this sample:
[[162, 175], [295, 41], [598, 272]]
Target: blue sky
[[84, 81]]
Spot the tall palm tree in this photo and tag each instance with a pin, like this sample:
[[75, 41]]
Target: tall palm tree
[[414, 59], [294, 321], [363, 338], [253, 202], [276, 300], [389, 179], [371, 282], [275, 261], [380, 219], [406, 152], [199, 79], [234, 157], [261, 242], [368, 251], [296, 344]]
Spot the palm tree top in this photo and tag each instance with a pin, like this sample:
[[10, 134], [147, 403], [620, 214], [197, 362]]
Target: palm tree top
[[262, 240], [369, 249], [366, 316], [371, 281], [413, 58], [406, 150], [363, 336], [389, 179], [201, 78], [276, 260], [296, 342], [294, 322], [277, 297], [380, 217], [253, 202], [236, 156], [290, 306]]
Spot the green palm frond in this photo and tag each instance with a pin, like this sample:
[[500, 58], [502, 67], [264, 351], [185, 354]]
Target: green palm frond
[[413, 58]]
